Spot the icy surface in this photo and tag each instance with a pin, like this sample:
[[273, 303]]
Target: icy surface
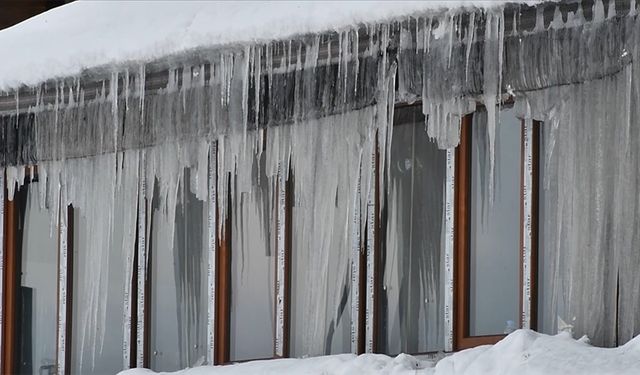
[[589, 207], [523, 352], [50, 46], [317, 108]]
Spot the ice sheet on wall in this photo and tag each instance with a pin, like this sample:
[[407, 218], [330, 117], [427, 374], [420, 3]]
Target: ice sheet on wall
[[589, 207], [328, 158], [104, 240]]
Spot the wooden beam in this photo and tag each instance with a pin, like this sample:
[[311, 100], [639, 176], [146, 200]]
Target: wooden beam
[[70, 273], [65, 288], [535, 219], [11, 283], [223, 289], [212, 250], [461, 223], [288, 246]]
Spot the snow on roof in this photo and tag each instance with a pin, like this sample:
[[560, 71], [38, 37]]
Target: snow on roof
[[87, 34]]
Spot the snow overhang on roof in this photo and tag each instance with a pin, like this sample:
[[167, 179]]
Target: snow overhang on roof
[[67, 41], [270, 66]]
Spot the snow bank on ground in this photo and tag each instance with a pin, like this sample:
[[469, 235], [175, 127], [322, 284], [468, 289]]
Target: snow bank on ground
[[85, 34], [341, 364], [526, 352], [523, 352]]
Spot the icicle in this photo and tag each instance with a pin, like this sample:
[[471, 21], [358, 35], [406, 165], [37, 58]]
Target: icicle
[[471, 31], [12, 177], [186, 85], [248, 63], [126, 89], [257, 80], [558, 22], [598, 11], [356, 59], [141, 91], [539, 27], [113, 91], [494, 34], [611, 13], [450, 32]]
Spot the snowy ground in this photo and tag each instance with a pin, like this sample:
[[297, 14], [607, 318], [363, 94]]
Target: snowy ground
[[523, 352]]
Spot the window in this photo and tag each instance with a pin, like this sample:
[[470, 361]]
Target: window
[[178, 271], [488, 230], [37, 255], [98, 295], [411, 299], [252, 307]]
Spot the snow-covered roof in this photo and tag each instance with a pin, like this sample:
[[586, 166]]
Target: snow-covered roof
[[86, 34]]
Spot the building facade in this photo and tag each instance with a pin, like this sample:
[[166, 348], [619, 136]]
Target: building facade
[[420, 185]]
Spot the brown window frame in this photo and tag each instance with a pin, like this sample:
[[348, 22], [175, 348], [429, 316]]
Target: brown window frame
[[462, 241], [12, 260], [223, 287], [224, 253]]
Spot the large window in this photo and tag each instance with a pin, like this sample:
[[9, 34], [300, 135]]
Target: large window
[[252, 308], [102, 225], [411, 300], [178, 271], [38, 254], [488, 228]]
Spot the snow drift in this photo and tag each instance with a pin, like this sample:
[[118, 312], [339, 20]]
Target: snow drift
[[523, 352]]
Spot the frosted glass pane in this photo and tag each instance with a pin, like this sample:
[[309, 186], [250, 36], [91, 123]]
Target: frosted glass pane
[[252, 267], [495, 227], [412, 292], [38, 306], [178, 284]]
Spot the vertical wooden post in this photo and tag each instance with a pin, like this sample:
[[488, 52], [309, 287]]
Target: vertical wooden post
[[461, 220], [283, 272], [535, 186], [212, 227], [65, 287], [356, 269], [449, 253], [133, 317], [11, 282], [373, 257], [288, 247], [223, 288], [142, 341], [529, 223], [3, 250]]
